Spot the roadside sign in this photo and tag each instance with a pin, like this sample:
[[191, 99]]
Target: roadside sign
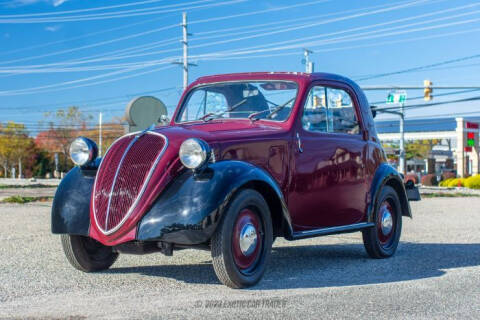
[[397, 96]]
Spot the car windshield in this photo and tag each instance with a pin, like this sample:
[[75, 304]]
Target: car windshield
[[272, 100]]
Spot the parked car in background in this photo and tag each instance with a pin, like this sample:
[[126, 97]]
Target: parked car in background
[[246, 158]]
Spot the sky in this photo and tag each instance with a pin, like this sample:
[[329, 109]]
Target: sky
[[98, 55]]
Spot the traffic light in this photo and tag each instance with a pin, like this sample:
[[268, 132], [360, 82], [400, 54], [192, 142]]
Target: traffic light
[[470, 139], [427, 91]]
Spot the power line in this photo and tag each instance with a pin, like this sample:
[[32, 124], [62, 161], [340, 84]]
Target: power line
[[380, 75], [118, 14], [79, 10], [266, 34]]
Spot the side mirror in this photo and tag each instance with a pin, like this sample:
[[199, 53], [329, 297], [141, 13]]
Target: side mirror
[[374, 111]]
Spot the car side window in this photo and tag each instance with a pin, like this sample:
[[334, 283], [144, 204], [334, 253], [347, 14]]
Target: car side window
[[330, 110]]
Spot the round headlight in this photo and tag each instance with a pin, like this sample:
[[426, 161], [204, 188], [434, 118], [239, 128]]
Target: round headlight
[[83, 150], [194, 153]]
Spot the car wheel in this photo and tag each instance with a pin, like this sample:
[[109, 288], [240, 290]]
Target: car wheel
[[381, 241], [242, 243], [87, 254]]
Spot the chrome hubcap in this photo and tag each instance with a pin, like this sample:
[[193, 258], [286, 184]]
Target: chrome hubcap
[[248, 239], [387, 222]]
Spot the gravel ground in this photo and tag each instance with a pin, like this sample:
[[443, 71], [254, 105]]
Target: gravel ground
[[435, 274]]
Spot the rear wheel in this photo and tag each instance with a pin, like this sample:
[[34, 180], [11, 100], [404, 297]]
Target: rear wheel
[[381, 241], [87, 254], [242, 242]]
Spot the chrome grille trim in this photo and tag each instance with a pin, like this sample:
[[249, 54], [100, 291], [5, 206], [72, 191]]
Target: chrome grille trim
[[114, 182], [142, 190]]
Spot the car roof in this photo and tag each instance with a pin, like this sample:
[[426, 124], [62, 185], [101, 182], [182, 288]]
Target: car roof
[[292, 76]]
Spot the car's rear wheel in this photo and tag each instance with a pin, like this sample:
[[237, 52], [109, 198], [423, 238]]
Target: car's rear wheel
[[242, 242], [87, 254], [381, 241]]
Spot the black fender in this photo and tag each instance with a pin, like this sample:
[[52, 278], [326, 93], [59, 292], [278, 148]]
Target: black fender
[[387, 175], [71, 204], [188, 211]]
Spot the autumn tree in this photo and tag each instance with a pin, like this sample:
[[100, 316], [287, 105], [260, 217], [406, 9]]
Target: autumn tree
[[15, 146], [65, 124]]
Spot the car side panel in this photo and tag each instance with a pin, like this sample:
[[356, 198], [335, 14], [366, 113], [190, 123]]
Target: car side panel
[[189, 209]]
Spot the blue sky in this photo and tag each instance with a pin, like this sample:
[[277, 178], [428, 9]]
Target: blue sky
[[56, 53]]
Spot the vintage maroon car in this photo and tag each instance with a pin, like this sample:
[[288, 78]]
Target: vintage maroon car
[[246, 158]]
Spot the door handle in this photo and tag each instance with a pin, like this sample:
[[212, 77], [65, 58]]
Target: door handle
[[299, 143]]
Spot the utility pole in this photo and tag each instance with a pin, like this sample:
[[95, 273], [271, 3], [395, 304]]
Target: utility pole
[[402, 139], [184, 63], [100, 134], [399, 97], [185, 50], [309, 67]]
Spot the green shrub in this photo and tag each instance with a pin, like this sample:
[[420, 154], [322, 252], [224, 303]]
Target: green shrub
[[472, 182], [23, 199], [457, 182]]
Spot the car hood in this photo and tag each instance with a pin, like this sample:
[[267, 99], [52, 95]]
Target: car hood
[[218, 131]]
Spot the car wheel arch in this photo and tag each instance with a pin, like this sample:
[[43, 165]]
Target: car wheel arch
[[279, 222], [385, 175]]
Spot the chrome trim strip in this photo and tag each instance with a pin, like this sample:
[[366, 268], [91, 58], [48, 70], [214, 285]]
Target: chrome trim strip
[[114, 182], [332, 230], [96, 176], [140, 194]]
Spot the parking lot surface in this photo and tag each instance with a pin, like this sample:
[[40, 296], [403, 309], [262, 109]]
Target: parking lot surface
[[435, 274]]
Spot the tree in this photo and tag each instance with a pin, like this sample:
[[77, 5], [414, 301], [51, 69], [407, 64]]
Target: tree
[[420, 148], [64, 128], [15, 146]]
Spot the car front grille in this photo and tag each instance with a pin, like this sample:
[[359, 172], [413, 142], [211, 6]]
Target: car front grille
[[122, 177]]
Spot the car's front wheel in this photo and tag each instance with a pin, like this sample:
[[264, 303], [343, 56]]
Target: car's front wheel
[[381, 241], [242, 242], [87, 254]]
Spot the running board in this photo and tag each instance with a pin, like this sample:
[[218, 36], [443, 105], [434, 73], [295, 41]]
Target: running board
[[332, 230]]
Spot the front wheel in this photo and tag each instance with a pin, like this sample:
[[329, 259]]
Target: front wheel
[[381, 241], [87, 254], [242, 243]]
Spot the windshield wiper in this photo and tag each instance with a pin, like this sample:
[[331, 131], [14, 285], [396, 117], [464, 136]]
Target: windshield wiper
[[252, 116], [219, 114], [280, 107]]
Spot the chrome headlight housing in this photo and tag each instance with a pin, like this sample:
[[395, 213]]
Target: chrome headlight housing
[[194, 153], [83, 151]]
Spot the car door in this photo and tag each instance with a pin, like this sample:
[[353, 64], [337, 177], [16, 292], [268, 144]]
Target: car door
[[329, 185]]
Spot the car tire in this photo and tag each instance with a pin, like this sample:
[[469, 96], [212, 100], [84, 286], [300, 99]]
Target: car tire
[[242, 243], [87, 254], [381, 241]]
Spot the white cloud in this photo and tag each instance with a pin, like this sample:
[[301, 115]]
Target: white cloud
[[53, 28], [21, 3], [57, 3]]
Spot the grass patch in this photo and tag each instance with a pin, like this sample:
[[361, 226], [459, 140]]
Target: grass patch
[[448, 195], [23, 186], [23, 199]]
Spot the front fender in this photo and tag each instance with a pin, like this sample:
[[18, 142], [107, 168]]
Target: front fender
[[190, 208], [387, 175], [71, 204]]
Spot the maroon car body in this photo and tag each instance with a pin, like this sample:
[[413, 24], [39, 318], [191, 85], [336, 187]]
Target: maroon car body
[[141, 198]]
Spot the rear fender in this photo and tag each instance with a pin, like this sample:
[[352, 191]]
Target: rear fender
[[387, 175]]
